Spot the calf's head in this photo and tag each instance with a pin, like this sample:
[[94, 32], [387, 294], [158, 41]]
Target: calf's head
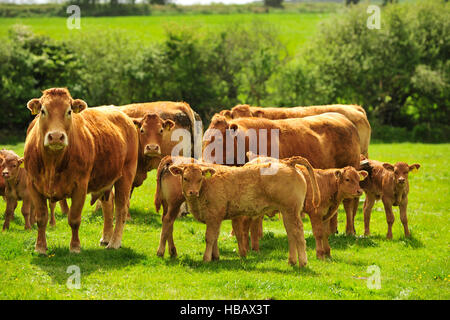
[[152, 130], [401, 170], [348, 179], [55, 110], [241, 111], [192, 176], [10, 164]]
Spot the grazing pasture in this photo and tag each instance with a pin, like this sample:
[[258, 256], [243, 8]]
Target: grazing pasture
[[415, 268], [294, 28]]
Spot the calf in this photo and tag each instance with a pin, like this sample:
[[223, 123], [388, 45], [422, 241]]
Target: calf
[[213, 195], [335, 185], [390, 184], [15, 178], [72, 150]]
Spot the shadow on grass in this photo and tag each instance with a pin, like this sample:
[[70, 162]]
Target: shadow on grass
[[89, 261]]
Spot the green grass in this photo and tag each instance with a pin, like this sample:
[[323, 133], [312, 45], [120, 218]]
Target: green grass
[[294, 28], [416, 268]]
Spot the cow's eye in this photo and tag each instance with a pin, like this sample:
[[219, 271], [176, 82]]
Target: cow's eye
[[142, 130], [347, 179], [185, 179], [161, 130], [69, 113]]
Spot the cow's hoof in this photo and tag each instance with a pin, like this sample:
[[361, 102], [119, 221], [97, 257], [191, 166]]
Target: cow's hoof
[[173, 252], [160, 254], [75, 249], [114, 245], [103, 242], [41, 250]]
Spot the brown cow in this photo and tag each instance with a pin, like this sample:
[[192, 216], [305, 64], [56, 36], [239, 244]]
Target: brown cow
[[213, 195], [390, 184], [71, 151], [354, 113], [335, 185], [156, 121], [169, 195], [327, 140], [16, 190]]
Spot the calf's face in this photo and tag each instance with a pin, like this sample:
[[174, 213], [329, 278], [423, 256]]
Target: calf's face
[[401, 171], [348, 181], [55, 109], [191, 178], [10, 167], [151, 133]]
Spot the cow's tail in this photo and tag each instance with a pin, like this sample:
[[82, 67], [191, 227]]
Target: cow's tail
[[165, 163], [196, 130], [302, 161]]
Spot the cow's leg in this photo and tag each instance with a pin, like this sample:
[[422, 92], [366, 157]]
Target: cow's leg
[[74, 216], [41, 209], [256, 232], [170, 213], [212, 233], [333, 223], [108, 219], [348, 206], [11, 204], [403, 217], [296, 238], [238, 227], [122, 189], [389, 217], [64, 207], [368, 205], [319, 233], [215, 251], [52, 206], [32, 213], [26, 212]]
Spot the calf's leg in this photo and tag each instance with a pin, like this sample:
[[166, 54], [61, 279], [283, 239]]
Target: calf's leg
[[403, 217], [389, 217], [212, 233], [368, 205], [11, 204], [170, 213], [296, 238]]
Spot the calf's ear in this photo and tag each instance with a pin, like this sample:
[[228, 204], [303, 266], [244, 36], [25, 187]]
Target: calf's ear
[[208, 172], [226, 113], [34, 105], [258, 114], [362, 175], [176, 170], [338, 174], [414, 167], [168, 124], [78, 105], [388, 166]]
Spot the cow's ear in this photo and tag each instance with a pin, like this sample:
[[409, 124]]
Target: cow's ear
[[362, 175], [78, 105], [388, 166], [414, 167], [137, 122], [168, 124], [176, 170], [338, 174], [226, 113], [258, 114], [208, 172], [251, 155], [21, 161], [34, 105]]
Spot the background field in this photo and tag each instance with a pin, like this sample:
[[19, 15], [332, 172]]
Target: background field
[[293, 28], [416, 268]]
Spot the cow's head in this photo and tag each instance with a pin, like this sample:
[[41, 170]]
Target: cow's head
[[192, 176], [152, 130], [55, 109], [241, 111], [9, 164], [401, 170], [348, 179]]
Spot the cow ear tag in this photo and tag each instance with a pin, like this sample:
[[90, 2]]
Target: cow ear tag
[[414, 170], [208, 175], [22, 165]]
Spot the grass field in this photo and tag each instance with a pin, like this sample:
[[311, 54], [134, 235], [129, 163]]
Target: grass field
[[416, 268], [294, 29]]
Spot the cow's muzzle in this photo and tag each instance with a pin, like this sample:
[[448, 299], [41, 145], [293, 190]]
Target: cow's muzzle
[[55, 140], [152, 150]]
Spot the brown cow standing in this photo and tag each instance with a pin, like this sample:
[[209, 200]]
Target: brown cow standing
[[156, 121], [71, 151], [354, 113], [390, 184], [327, 140], [213, 195]]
